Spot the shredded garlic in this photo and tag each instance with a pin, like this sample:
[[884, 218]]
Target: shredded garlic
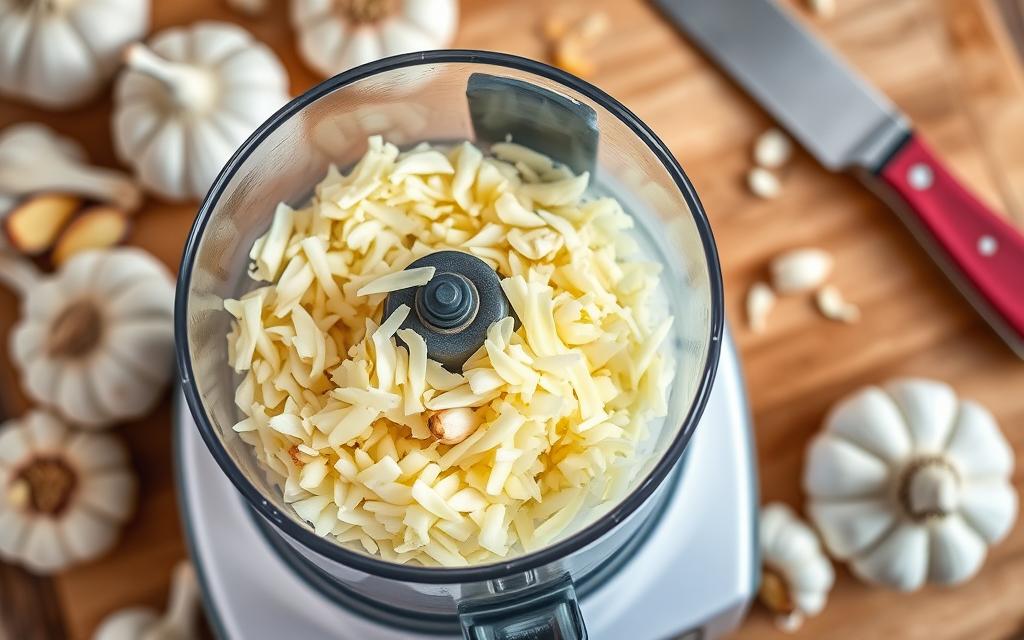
[[337, 409]]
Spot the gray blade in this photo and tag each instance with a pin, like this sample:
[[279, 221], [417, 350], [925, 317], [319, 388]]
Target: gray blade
[[840, 119]]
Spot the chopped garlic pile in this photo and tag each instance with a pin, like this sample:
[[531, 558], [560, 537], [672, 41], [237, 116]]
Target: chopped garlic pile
[[337, 409]]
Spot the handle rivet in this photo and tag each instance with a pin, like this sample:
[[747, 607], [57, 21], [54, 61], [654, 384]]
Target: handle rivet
[[920, 176], [987, 246]]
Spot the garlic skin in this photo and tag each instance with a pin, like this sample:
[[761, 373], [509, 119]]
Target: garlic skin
[[797, 574], [336, 35], [59, 53], [143, 623], [186, 101], [95, 340], [910, 485], [65, 494], [35, 159], [800, 270]]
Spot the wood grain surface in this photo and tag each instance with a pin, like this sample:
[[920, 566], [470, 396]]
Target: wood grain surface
[[947, 63]]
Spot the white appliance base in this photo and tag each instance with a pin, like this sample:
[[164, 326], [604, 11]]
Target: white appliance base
[[693, 578]]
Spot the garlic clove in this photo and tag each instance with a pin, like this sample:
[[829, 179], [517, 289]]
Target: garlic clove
[[811, 583], [73, 389], [126, 624], [42, 378], [833, 306], [899, 561], [44, 431], [111, 494], [452, 426], [33, 226], [78, 275], [977, 446], [94, 452], [837, 468], [989, 507], [957, 551], [763, 183], [850, 527], [800, 270], [43, 551], [872, 420], [760, 301], [115, 386], [13, 445], [86, 534], [772, 149], [142, 347], [98, 227], [27, 340], [13, 525], [929, 408]]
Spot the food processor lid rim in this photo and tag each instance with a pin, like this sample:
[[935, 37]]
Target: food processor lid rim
[[449, 575]]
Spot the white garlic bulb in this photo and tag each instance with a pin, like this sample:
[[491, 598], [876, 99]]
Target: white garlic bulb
[[797, 575], [189, 99], [143, 623], [336, 35], [59, 53], [65, 494], [95, 341], [910, 485]]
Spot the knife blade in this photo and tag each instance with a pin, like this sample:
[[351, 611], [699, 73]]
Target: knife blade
[[847, 125]]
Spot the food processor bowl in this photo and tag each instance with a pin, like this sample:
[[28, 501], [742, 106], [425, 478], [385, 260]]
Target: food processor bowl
[[449, 96]]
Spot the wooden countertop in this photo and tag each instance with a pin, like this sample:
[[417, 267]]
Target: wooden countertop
[[947, 63]]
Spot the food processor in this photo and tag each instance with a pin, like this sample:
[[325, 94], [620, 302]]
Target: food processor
[[676, 555]]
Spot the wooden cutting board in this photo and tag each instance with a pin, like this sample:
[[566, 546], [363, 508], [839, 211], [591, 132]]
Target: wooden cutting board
[[947, 63]]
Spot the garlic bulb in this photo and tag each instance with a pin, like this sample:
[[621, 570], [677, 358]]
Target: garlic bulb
[[143, 623], [65, 494], [95, 341], [336, 35], [797, 575], [910, 484], [58, 53], [188, 100]]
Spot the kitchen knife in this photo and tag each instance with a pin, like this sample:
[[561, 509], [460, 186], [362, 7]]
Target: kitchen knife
[[847, 125]]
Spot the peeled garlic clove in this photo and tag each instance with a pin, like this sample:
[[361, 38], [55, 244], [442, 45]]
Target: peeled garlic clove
[[760, 301], [834, 307], [452, 426], [823, 8], [800, 270], [772, 149], [763, 183]]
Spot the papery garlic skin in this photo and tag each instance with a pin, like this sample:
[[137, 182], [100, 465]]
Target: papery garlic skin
[[336, 35], [798, 575], [95, 341], [910, 485], [63, 494], [59, 53]]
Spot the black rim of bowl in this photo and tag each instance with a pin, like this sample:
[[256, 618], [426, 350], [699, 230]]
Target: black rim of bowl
[[449, 575]]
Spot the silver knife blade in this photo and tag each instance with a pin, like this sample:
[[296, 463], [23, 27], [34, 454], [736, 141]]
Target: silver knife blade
[[840, 119]]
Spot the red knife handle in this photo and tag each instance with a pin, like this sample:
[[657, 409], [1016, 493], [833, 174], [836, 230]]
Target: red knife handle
[[984, 248]]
